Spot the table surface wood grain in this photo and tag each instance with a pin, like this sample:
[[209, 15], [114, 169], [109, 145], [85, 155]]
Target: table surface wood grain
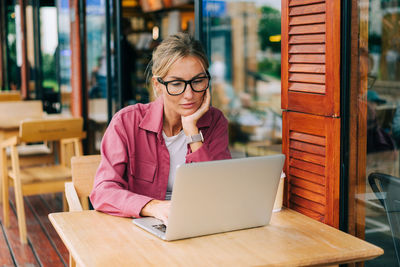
[[291, 239]]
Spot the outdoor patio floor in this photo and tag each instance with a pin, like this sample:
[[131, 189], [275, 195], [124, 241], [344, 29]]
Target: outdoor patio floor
[[44, 247]]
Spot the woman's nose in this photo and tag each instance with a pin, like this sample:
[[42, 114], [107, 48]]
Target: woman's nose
[[188, 92]]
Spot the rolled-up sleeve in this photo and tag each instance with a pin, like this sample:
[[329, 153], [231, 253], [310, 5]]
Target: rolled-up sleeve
[[110, 192], [215, 146]]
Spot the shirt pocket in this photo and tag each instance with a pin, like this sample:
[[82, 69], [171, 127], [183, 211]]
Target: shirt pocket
[[142, 170]]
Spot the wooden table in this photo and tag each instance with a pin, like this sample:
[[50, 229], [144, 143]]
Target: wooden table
[[10, 96], [292, 239], [13, 112]]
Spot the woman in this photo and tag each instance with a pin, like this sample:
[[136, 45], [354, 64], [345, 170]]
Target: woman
[[144, 143]]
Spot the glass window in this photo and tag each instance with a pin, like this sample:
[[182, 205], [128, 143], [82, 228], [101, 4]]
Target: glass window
[[64, 55], [13, 65], [49, 53], [96, 60], [243, 43], [379, 59]]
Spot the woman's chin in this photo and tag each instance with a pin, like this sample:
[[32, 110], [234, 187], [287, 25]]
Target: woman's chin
[[187, 112]]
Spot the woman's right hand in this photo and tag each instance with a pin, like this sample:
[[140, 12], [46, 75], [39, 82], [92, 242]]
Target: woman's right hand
[[158, 209]]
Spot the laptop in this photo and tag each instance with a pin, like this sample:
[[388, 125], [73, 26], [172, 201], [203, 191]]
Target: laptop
[[219, 196]]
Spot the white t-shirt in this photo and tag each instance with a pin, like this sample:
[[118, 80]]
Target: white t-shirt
[[177, 148]]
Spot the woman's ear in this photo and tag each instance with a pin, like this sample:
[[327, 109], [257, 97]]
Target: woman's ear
[[156, 87]]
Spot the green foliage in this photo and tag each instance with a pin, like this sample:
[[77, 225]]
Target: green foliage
[[269, 24], [48, 66], [13, 74], [270, 67], [51, 84], [49, 72]]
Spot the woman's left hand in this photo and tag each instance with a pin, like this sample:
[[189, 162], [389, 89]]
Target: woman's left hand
[[189, 122]]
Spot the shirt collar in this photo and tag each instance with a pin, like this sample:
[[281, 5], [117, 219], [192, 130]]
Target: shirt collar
[[153, 120]]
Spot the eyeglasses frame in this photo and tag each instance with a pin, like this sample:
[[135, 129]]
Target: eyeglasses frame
[[160, 80]]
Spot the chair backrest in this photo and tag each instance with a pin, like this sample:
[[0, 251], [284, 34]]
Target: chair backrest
[[84, 169], [50, 129], [19, 110], [10, 96], [384, 183]]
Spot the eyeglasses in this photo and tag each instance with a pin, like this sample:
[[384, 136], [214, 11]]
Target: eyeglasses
[[177, 87]]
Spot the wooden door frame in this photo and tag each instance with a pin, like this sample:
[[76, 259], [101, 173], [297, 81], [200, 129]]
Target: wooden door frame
[[357, 122], [78, 59]]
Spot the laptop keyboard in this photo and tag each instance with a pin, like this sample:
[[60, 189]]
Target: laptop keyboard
[[160, 227]]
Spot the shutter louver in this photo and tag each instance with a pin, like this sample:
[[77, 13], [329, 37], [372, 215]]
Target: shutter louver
[[313, 153], [311, 102], [310, 45]]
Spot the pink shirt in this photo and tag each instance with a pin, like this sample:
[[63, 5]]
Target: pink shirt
[[134, 165]]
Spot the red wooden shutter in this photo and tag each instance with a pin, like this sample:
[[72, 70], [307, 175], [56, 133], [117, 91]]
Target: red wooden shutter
[[78, 69], [311, 104], [312, 147], [311, 56]]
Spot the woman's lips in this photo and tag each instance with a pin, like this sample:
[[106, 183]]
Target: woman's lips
[[188, 105]]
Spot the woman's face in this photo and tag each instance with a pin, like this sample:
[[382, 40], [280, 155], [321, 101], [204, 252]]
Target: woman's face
[[189, 101]]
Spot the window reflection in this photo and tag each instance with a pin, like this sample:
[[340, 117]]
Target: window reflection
[[13, 64], [64, 55], [244, 47], [49, 54], [382, 61], [96, 58]]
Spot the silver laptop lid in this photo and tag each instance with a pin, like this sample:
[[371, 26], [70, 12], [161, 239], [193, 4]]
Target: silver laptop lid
[[219, 196]]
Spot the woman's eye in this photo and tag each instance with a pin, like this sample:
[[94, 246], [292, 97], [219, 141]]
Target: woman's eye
[[176, 83], [199, 80]]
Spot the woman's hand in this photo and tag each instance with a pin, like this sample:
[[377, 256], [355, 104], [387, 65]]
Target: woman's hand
[[158, 209], [189, 122]]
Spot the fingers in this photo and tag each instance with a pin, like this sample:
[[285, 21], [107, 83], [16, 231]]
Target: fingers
[[158, 209], [206, 102], [163, 211], [164, 219], [204, 106], [189, 122]]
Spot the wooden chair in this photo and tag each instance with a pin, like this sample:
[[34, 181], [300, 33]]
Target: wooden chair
[[83, 171], [77, 192], [42, 179], [11, 114], [10, 96]]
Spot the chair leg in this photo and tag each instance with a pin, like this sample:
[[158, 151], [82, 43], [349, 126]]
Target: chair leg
[[4, 182], [64, 202], [6, 204], [19, 199]]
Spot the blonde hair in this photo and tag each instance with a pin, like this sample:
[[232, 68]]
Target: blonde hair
[[172, 49]]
